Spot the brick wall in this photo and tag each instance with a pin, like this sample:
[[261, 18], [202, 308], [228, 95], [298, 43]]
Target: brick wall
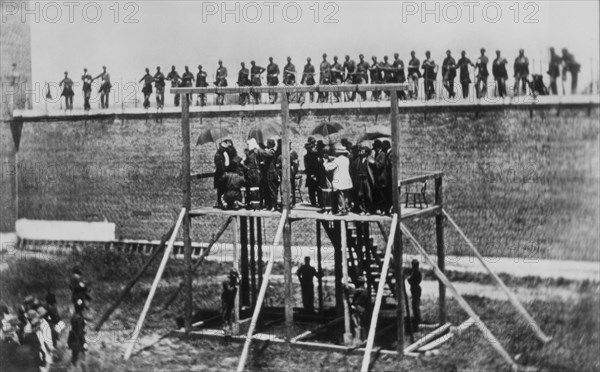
[[15, 47], [518, 186]]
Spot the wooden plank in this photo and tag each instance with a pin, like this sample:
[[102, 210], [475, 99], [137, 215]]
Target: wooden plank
[[161, 269], [398, 250], [319, 267], [244, 263], [442, 340], [302, 212], [379, 296], [286, 197], [252, 262], [428, 337], [440, 246], [488, 335], [344, 249], [261, 294], [511, 296], [236, 265], [420, 179], [202, 322], [187, 205]]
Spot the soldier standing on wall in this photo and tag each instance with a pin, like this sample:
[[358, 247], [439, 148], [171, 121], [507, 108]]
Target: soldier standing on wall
[[324, 78], [187, 80], [554, 70], [521, 69], [87, 89], [221, 81], [174, 77], [500, 73], [255, 72], [449, 73], [201, 83], [159, 84], [105, 87], [308, 77], [244, 81], [349, 69], [465, 78], [414, 73], [430, 69], [272, 78], [147, 89], [482, 75], [362, 75], [337, 76], [67, 92]]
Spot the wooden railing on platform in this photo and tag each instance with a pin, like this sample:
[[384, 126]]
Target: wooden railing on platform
[[263, 291]]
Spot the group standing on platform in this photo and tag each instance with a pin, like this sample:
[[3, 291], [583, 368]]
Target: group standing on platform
[[340, 178], [350, 72]]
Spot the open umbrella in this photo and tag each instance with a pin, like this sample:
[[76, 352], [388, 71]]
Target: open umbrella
[[212, 135], [376, 131], [327, 128], [261, 132]]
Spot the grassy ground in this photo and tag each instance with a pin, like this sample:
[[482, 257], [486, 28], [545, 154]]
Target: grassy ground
[[519, 186], [574, 325]]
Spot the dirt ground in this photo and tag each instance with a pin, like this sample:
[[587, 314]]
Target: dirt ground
[[567, 311]]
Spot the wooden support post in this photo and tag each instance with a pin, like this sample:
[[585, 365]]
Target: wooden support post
[[187, 204], [252, 262], [344, 249], [259, 253], [398, 251], [338, 273], [161, 269], [439, 234], [261, 294], [488, 335], [286, 197], [319, 268], [512, 298], [236, 265], [379, 296], [244, 262]]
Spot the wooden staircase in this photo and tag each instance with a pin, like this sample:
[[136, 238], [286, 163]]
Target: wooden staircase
[[364, 256]]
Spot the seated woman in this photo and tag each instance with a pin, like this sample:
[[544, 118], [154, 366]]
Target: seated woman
[[232, 182]]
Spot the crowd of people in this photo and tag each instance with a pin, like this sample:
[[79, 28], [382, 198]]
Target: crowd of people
[[340, 177], [349, 72], [30, 336]]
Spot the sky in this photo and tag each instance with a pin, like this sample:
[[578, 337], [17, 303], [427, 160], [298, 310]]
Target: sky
[[128, 36]]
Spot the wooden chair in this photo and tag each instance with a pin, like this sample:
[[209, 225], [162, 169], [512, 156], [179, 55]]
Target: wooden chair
[[417, 197]]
